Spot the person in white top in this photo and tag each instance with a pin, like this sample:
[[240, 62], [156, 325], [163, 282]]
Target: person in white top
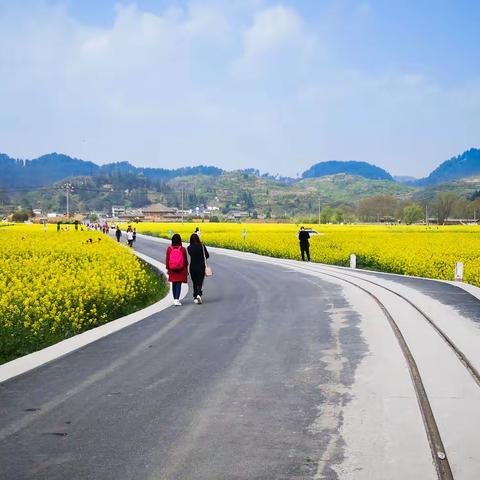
[[130, 236]]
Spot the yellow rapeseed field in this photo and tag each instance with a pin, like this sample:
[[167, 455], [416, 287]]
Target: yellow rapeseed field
[[56, 284], [412, 250]]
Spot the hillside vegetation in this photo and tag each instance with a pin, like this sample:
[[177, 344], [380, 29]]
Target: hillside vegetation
[[43, 183]]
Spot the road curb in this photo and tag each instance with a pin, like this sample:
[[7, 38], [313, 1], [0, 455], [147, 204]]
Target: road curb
[[33, 360], [471, 289]]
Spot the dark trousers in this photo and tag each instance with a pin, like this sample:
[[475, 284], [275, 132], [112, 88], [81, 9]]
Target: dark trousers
[[305, 249], [198, 274], [176, 289]]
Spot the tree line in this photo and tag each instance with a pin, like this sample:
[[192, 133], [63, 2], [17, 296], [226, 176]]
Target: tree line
[[389, 209]]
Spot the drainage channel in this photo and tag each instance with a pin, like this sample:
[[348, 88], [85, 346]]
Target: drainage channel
[[437, 448]]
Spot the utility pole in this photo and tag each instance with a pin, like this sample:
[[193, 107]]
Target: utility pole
[[182, 204], [68, 186], [426, 214], [319, 210]]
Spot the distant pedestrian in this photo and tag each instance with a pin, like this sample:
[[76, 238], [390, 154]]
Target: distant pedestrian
[[304, 236], [118, 233], [198, 255], [197, 232], [130, 236], [177, 267], [134, 234]]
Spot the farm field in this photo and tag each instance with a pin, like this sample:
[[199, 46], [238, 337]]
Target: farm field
[[411, 250], [57, 284]]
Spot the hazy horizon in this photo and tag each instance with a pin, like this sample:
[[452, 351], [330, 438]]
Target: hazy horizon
[[276, 86]]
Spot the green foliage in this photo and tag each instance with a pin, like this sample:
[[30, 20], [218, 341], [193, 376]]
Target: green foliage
[[362, 169], [326, 215], [445, 202], [465, 165], [338, 216], [412, 213], [20, 217]]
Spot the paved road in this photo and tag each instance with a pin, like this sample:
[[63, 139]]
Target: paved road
[[256, 383]]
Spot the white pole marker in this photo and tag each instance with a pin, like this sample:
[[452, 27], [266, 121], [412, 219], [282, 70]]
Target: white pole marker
[[353, 261], [459, 271]]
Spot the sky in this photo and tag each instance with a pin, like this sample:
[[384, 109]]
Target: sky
[[276, 86]]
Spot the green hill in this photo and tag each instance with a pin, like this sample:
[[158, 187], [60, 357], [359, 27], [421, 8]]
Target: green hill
[[334, 167], [238, 190], [465, 165]]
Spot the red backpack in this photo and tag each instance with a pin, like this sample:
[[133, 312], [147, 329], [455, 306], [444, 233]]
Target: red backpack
[[177, 260]]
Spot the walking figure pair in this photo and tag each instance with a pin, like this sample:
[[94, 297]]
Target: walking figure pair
[[177, 266]]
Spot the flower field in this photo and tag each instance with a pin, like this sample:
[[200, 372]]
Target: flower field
[[56, 284], [412, 250]]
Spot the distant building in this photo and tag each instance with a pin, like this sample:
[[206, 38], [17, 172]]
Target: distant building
[[117, 211], [237, 214], [132, 215], [158, 213]]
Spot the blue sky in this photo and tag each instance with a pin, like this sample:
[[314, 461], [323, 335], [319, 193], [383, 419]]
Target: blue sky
[[241, 83]]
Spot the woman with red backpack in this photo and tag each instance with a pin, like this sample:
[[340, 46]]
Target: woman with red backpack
[[177, 264]]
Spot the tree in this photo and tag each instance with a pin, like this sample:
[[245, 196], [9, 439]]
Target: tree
[[20, 217], [412, 213], [326, 215], [378, 207], [444, 202], [338, 215]]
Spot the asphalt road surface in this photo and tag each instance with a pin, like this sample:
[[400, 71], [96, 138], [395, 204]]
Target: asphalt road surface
[[249, 385]]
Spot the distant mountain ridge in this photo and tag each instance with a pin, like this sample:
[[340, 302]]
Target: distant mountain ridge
[[43, 170], [55, 167], [334, 167], [465, 165]]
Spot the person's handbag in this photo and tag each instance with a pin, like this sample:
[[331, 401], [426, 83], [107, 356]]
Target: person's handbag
[[208, 269]]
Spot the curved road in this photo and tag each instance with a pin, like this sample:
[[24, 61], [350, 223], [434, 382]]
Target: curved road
[[278, 375]]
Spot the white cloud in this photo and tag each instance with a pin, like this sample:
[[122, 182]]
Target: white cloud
[[277, 40], [271, 29], [235, 86]]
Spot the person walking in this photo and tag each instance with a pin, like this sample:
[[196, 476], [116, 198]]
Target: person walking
[[198, 255], [118, 233], [304, 236], [177, 267], [134, 234], [197, 232], [130, 236]]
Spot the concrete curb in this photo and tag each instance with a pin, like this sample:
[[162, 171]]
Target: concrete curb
[[471, 289], [33, 360]]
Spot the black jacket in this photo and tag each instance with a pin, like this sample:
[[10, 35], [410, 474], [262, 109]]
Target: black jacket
[[303, 236], [196, 254]]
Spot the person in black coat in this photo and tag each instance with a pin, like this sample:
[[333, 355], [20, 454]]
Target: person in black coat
[[198, 253], [304, 236]]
